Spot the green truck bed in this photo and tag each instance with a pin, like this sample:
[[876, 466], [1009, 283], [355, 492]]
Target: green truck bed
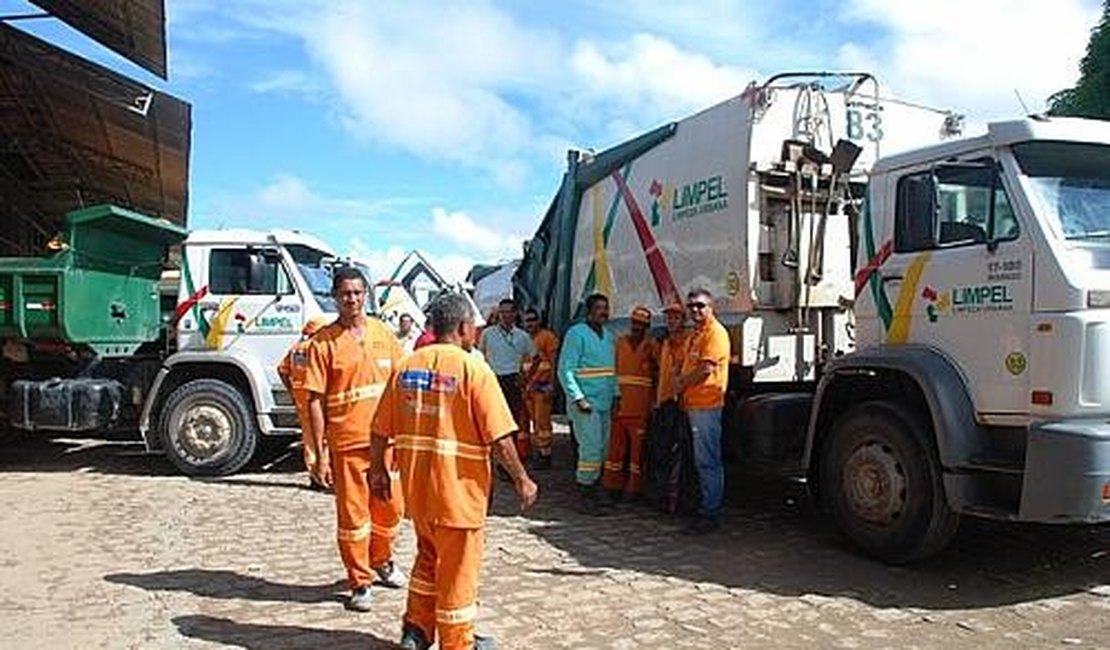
[[99, 288]]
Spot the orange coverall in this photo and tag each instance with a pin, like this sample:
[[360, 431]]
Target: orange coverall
[[442, 410], [540, 378], [351, 375], [636, 367]]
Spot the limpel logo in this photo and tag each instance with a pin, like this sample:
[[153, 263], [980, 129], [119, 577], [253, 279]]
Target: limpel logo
[[938, 303], [660, 201]]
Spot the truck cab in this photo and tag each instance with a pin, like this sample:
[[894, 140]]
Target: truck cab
[[243, 298], [982, 315]]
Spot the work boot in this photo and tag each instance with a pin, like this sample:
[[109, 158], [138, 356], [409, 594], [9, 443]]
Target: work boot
[[702, 526], [588, 501], [391, 576], [610, 498], [412, 638], [361, 599]]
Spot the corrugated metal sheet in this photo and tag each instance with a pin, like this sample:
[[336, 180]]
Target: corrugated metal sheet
[[74, 134], [135, 29]]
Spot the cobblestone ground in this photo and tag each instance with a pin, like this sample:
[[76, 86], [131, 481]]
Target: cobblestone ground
[[103, 547]]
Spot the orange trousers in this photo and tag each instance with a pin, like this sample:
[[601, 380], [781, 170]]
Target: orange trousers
[[626, 441], [539, 413], [366, 525], [443, 586]]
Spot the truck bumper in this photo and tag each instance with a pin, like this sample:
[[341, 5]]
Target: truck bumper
[[1067, 472]]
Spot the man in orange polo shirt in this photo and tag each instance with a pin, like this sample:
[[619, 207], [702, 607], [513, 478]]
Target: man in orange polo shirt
[[349, 363], [540, 386], [292, 370], [636, 361], [443, 413], [702, 385]]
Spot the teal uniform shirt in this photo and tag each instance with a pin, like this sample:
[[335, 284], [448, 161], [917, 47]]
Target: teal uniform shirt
[[587, 367]]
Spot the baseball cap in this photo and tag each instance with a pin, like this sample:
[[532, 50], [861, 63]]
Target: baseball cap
[[641, 315]]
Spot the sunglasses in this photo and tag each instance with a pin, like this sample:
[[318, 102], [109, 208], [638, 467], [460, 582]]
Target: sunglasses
[[696, 305]]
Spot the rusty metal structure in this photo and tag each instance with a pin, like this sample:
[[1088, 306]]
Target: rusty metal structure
[[75, 134]]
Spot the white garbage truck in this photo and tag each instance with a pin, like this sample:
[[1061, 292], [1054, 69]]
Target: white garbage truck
[[920, 321], [98, 336]]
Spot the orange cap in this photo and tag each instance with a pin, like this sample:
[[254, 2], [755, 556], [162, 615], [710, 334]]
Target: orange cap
[[313, 325], [641, 315]]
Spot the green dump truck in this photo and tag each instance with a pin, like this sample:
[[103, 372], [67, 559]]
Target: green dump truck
[[101, 335]]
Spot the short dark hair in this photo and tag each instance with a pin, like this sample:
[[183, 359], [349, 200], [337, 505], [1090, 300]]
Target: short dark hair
[[405, 315], [447, 312], [595, 298], [699, 292], [344, 273], [507, 301], [531, 312]]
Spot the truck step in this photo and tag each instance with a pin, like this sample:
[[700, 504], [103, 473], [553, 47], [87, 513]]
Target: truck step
[[994, 465]]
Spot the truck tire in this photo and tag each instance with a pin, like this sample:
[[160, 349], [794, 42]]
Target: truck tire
[[881, 480], [208, 428]]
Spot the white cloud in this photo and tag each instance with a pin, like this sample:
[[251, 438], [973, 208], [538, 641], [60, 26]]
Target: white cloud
[[382, 261], [460, 228], [650, 72], [288, 81], [972, 56]]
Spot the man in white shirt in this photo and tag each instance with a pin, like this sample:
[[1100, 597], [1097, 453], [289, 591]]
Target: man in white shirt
[[505, 346], [406, 334]]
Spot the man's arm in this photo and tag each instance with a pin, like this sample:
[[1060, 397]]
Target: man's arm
[[318, 424], [568, 363]]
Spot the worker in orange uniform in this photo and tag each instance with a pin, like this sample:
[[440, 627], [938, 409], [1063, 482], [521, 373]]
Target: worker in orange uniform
[[292, 371], [540, 387], [443, 413], [636, 362], [349, 363], [672, 353], [702, 384]]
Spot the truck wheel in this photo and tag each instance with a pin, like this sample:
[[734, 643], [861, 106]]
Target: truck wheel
[[207, 428], [882, 483]]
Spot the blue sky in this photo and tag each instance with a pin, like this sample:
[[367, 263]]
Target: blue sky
[[384, 126]]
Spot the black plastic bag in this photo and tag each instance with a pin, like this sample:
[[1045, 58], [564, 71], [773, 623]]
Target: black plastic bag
[[671, 481]]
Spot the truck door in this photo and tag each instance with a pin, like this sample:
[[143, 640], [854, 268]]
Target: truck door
[[960, 279], [253, 303]]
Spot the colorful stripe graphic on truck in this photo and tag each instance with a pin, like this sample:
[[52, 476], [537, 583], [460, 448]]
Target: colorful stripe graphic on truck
[[896, 320], [599, 278]]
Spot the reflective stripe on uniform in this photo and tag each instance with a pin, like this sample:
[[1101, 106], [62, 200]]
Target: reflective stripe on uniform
[[611, 466], [354, 534], [586, 373], [634, 380], [442, 447], [585, 466], [385, 531], [456, 616], [369, 391], [543, 365], [422, 587]]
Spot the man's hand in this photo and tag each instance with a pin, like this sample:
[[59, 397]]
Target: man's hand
[[527, 491], [322, 471], [583, 405], [380, 483]]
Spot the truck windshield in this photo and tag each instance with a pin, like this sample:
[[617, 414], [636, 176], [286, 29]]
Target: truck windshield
[[319, 281], [1071, 181]]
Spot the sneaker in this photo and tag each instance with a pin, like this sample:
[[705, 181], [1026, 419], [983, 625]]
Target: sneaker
[[391, 576], [361, 599], [412, 638], [484, 643], [702, 526]]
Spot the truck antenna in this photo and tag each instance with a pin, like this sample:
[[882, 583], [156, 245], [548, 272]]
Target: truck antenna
[[1024, 109]]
